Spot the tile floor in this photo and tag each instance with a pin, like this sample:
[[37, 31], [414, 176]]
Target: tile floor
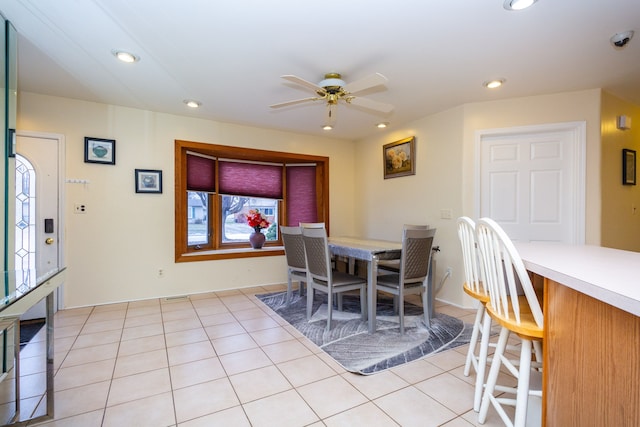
[[225, 359]]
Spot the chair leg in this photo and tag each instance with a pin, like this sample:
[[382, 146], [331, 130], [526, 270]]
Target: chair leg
[[522, 395], [309, 300], [339, 301], [493, 375], [481, 361], [301, 286], [474, 340], [289, 286], [329, 308], [363, 302], [401, 311], [426, 301]]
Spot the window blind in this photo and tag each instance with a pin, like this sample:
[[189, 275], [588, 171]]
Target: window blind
[[201, 173], [301, 195], [250, 179]]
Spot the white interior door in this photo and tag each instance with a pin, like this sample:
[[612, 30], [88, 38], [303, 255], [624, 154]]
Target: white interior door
[[42, 243], [532, 181]]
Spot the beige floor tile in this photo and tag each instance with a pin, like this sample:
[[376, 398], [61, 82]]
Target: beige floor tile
[[229, 417], [233, 344], [190, 352], [79, 400], [90, 354], [212, 309], [260, 323], [141, 362], [152, 302], [190, 336], [447, 360], [141, 345], [142, 320], [200, 371], [330, 396], [455, 394], [457, 422], [217, 318], [97, 339], [416, 371], [87, 373], [305, 370], [374, 386], [239, 305], [368, 415], [63, 344], [181, 324], [153, 411], [410, 407], [242, 361], [64, 321], [68, 331], [271, 336], [101, 316], [137, 332], [175, 304], [203, 399], [285, 409], [252, 313], [187, 313], [110, 307], [259, 383], [142, 311], [89, 419], [331, 362], [286, 350], [139, 386], [224, 330]]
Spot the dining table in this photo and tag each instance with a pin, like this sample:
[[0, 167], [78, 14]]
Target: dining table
[[371, 251]]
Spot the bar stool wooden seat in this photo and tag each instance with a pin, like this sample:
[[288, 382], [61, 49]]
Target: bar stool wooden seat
[[521, 315]]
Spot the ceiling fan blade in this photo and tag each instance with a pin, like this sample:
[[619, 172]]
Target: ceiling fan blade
[[371, 105], [295, 79], [367, 82], [294, 102]]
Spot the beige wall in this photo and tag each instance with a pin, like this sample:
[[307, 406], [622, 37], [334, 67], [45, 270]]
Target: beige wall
[[445, 172], [114, 251], [620, 222]]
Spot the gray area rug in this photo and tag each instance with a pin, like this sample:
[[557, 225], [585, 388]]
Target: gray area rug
[[354, 348]]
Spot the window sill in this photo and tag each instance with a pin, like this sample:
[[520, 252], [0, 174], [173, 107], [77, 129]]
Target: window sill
[[230, 254]]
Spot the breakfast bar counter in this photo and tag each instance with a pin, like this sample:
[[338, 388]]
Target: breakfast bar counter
[[591, 374]]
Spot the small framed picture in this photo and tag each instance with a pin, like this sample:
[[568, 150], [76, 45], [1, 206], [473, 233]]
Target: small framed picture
[[98, 150], [148, 181], [628, 167], [399, 158]]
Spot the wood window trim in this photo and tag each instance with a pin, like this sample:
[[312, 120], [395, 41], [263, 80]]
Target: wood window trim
[[182, 252]]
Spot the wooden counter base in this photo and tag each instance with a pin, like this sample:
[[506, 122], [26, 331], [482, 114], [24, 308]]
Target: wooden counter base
[[591, 361]]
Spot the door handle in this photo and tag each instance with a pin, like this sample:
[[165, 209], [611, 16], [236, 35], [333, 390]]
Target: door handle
[[49, 241]]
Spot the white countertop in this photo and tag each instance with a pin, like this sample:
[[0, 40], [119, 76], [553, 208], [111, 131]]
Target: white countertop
[[609, 275]]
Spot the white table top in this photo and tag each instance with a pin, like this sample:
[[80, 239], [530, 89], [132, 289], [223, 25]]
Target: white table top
[[365, 249], [609, 275]]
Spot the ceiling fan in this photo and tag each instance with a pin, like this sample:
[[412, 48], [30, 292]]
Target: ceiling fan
[[333, 89]]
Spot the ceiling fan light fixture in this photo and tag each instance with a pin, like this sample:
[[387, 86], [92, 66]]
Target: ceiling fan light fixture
[[192, 104], [493, 84], [125, 56], [382, 125], [518, 4], [327, 127]]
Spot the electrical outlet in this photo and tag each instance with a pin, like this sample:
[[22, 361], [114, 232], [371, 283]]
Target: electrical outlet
[[79, 208]]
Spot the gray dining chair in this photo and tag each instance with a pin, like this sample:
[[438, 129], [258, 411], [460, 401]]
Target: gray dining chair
[[325, 279], [412, 277], [393, 265], [296, 263]]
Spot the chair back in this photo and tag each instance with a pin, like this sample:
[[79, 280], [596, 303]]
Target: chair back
[[317, 254], [312, 225], [470, 256], [503, 269], [293, 247], [415, 263]]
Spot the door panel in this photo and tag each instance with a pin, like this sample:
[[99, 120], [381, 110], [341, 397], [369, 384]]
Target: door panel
[[43, 154], [531, 182]]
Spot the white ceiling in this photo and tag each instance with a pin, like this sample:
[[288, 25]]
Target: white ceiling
[[230, 54]]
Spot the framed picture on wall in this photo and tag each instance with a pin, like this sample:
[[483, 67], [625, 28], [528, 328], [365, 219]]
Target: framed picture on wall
[[628, 167], [98, 150], [148, 181], [399, 158]]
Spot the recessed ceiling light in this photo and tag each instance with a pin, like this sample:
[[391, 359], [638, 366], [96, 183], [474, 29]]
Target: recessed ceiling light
[[382, 125], [518, 4], [192, 104], [327, 127], [493, 84], [124, 56]]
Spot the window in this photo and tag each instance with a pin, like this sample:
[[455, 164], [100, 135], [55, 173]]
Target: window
[[217, 185]]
